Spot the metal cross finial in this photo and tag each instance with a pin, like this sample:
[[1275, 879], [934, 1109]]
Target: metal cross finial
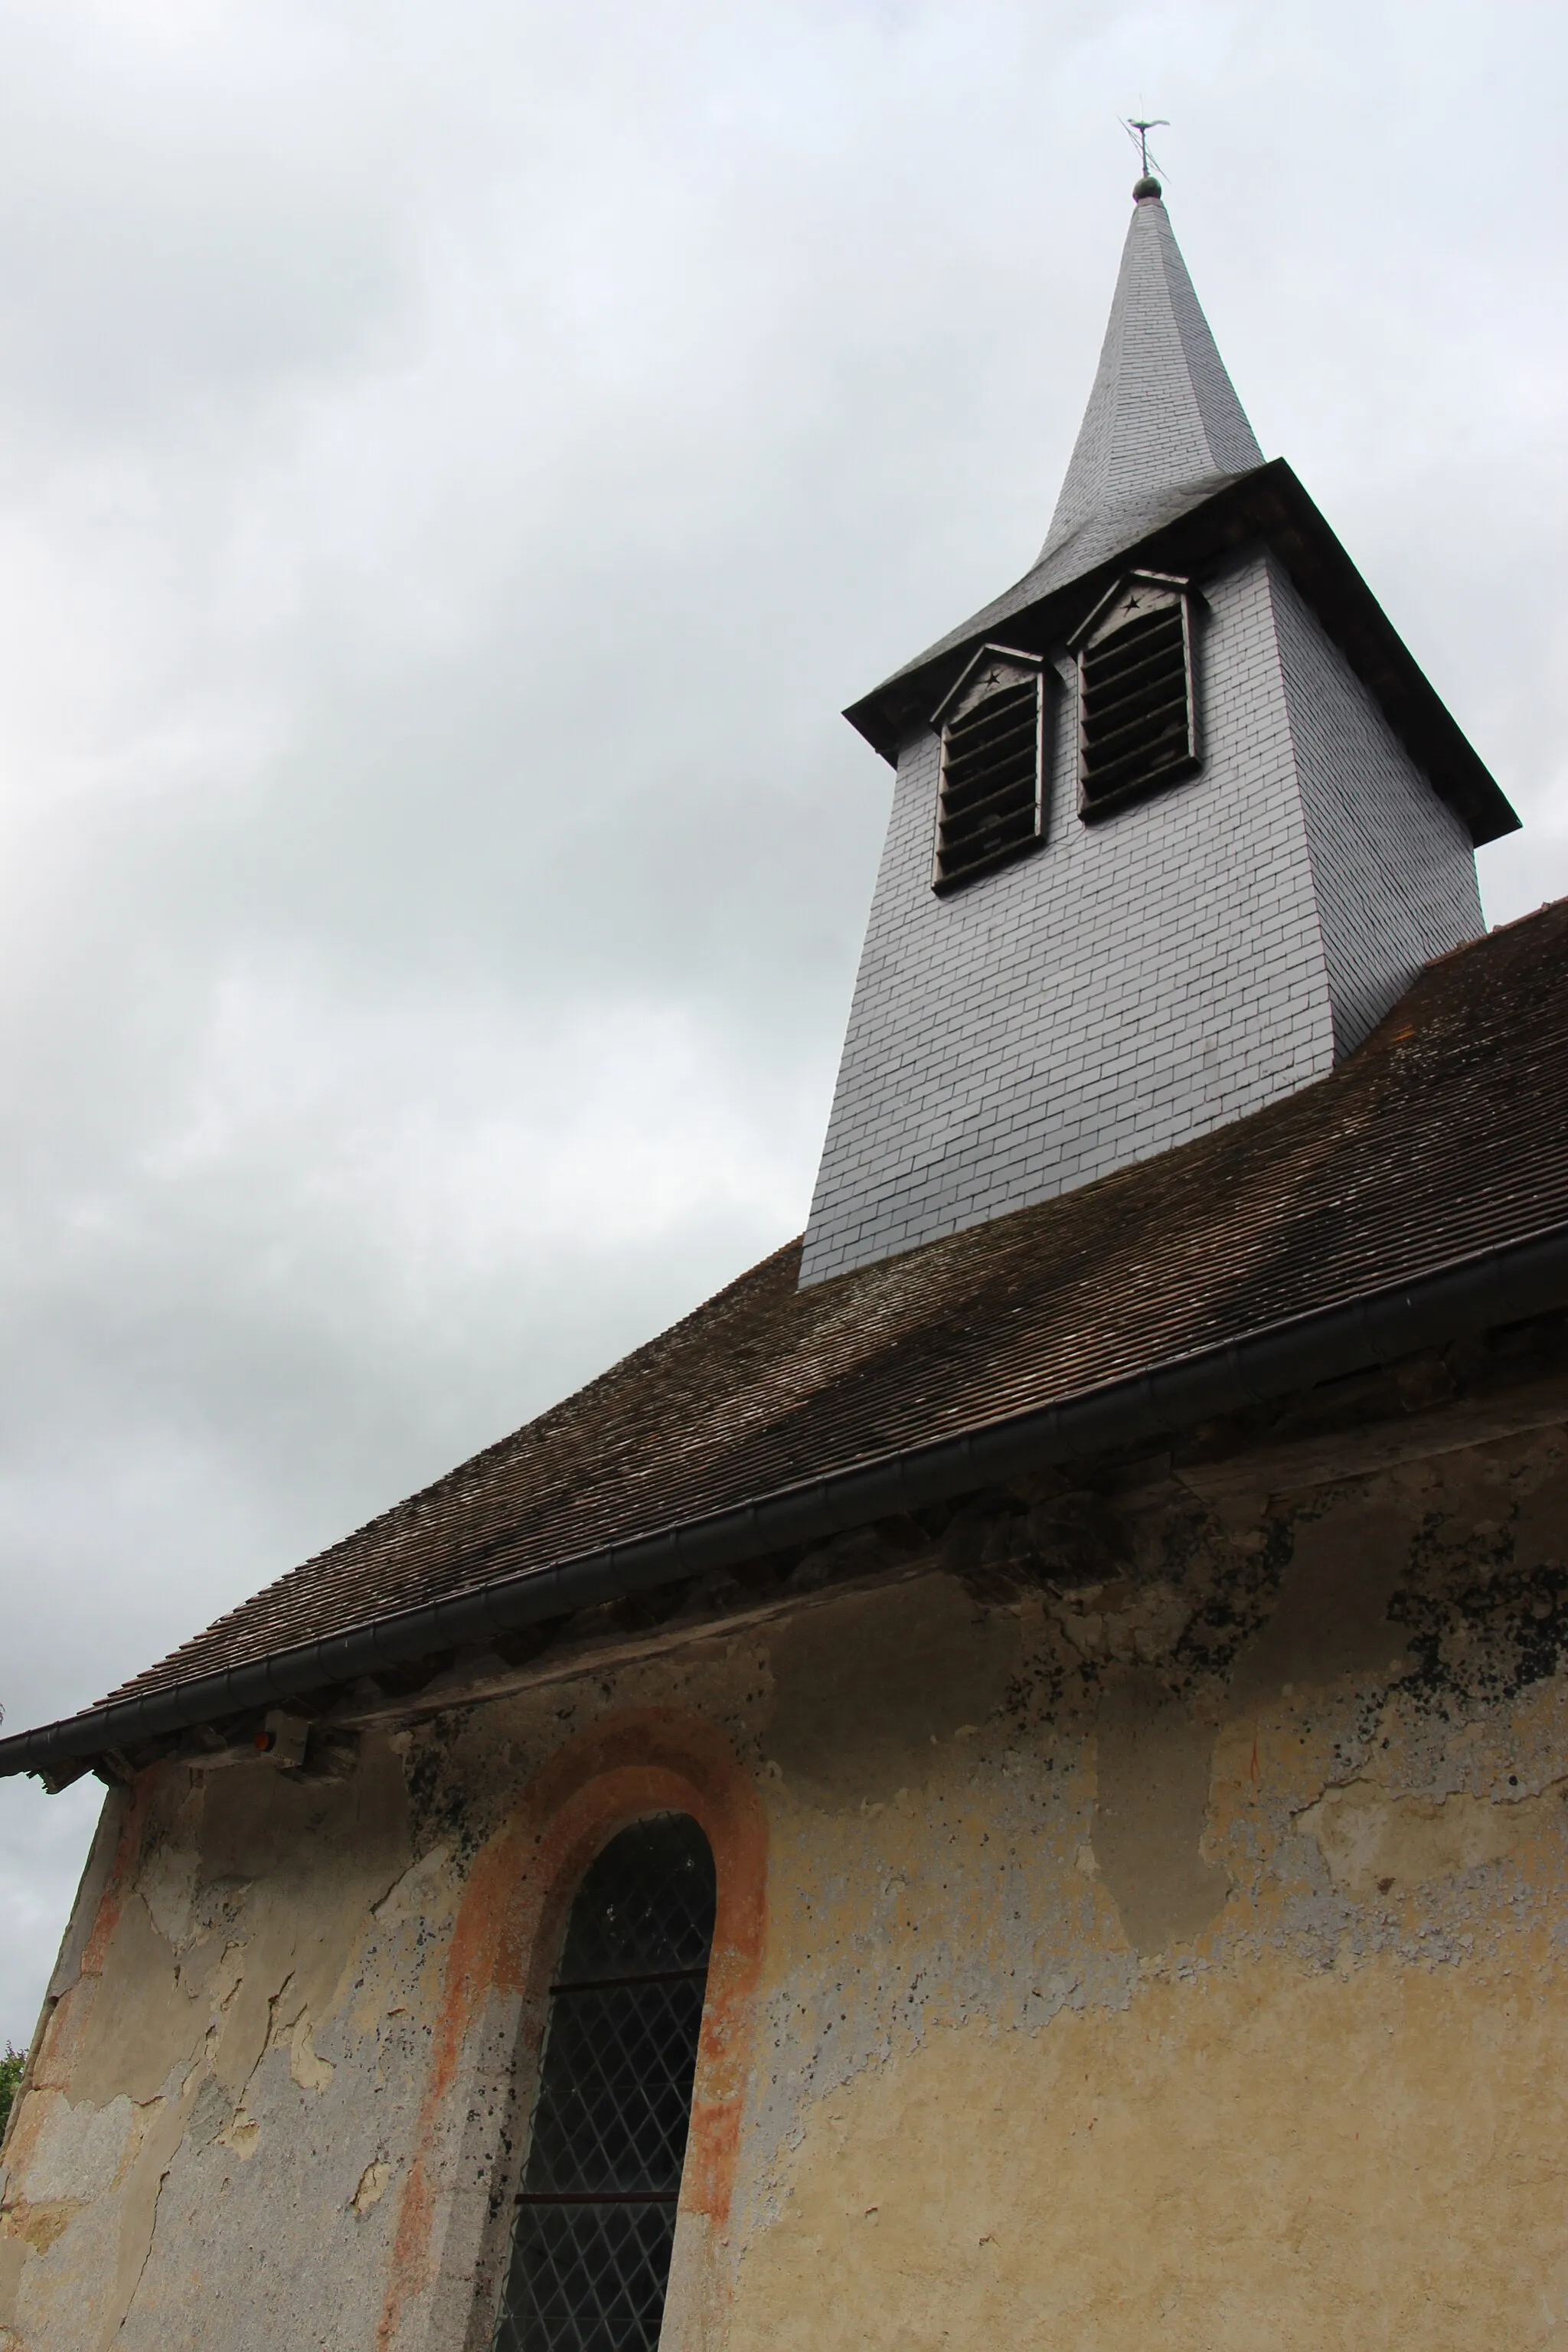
[[1139, 131]]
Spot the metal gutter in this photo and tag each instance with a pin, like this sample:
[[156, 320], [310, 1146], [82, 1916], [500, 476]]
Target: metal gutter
[[1507, 1284]]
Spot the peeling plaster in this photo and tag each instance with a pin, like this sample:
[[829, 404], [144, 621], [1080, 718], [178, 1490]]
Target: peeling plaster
[[1173, 1953], [1151, 1804], [311, 2072], [1374, 1841], [372, 2187]]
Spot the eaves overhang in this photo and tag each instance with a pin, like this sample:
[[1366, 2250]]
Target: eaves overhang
[[1267, 505], [1490, 1289]]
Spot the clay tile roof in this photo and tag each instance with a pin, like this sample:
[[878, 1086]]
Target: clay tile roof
[[1446, 1135]]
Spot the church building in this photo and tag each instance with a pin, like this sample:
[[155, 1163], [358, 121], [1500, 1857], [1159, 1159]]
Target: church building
[[1005, 1783]]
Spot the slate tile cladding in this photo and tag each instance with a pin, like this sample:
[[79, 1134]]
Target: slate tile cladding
[[1393, 865], [1445, 1135], [1084, 550], [1163, 411], [1140, 980], [1195, 533], [1148, 977]]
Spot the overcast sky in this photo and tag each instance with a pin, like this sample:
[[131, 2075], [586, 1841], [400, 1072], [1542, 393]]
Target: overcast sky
[[456, 461]]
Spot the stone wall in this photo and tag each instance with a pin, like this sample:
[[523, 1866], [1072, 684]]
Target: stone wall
[[1164, 1948]]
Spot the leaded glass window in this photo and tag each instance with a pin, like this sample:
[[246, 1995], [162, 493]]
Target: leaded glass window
[[595, 2223]]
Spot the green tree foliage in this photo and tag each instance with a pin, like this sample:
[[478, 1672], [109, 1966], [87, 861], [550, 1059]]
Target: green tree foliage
[[11, 2067]]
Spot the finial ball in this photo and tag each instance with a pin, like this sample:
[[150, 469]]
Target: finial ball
[[1146, 187]]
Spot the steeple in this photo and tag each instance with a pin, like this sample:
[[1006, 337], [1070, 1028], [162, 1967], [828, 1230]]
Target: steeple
[[1163, 428], [1177, 819], [1162, 414]]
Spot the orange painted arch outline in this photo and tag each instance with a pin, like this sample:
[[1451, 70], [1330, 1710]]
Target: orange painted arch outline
[[513, 1916]]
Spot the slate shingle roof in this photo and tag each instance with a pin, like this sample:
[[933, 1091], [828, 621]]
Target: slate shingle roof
[[1162, 409], [1445, 1136], [1163, 429], [1079, 553]]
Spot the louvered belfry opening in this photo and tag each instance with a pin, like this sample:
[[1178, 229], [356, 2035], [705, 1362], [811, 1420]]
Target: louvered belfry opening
[[992, 744], [1136, 727], [595, 2223]]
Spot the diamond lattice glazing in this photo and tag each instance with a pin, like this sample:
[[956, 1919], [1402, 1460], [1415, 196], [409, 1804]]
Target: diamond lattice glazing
[[620, 2061], [647, 1905], [590, 2251], [587, 2278]]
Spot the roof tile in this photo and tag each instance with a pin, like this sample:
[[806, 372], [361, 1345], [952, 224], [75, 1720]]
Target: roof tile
[[1445, 1135]]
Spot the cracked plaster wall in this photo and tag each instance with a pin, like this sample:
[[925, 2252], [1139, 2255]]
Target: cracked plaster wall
[[1170, 1952]]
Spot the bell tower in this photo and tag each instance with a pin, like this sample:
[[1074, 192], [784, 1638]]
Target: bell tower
[[1176, 820]]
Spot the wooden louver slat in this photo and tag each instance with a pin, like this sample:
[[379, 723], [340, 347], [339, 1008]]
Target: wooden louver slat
[[1135, 713], [989, 804]]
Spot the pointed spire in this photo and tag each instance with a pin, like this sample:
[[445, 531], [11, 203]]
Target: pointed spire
[[1163, 411]]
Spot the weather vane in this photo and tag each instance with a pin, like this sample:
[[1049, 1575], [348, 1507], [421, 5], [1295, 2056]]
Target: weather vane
[[1139, 134]]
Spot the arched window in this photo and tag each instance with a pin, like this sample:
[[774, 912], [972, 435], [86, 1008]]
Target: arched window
[[590, 2253]]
